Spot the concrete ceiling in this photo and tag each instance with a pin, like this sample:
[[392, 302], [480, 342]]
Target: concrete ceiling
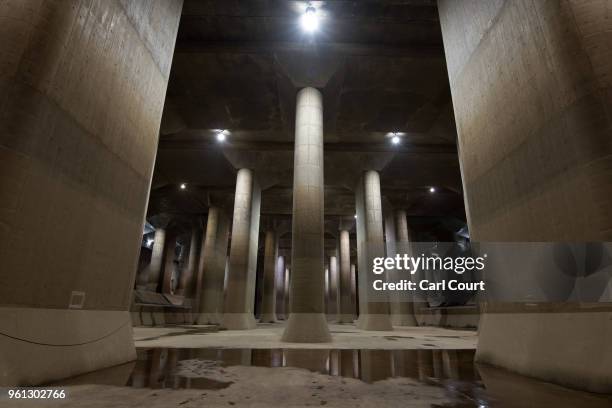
[[238, 66]]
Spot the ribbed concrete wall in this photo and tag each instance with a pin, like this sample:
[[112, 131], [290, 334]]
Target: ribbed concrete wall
[[82, 87], [531, 85]]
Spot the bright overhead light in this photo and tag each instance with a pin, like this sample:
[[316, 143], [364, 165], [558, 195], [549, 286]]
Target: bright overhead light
[[310, 20], [395, 139], [222, 135], [355, 216], [432, 189], [183, 186]]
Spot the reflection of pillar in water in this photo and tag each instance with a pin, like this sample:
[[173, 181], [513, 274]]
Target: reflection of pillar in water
[[309, 359], [170, 368], [436, 356], [158, 362], [347, 363], [375, 365], [236, 357], [424, 358], [277, 358], [334, 362], [450, 363], [405, 363], [139, 375], [261, 358]]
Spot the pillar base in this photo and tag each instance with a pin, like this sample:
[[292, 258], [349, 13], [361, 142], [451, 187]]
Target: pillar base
[[238, 321], [208, 318], [268, 318], [345, 319], [539, 345], [46, 345], [375, 322], [306, 328], [403, 320]]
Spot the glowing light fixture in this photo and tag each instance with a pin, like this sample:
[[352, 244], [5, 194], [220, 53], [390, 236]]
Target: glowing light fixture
[[310, 20], [395, 140], [183, 186], [355, 216], [432, 189], [222, 135]]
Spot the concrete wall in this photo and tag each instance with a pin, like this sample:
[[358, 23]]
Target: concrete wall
[[531, 85], [82, 86]]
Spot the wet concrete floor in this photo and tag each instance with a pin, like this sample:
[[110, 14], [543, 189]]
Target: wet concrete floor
[[313, 377]]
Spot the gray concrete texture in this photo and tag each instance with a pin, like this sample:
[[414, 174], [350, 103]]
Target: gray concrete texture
[[373, 315], [531, 88], [82, 90], [212, 267], [345, 314], [306, 322], [153, 270], [238, 311], [268, 313]]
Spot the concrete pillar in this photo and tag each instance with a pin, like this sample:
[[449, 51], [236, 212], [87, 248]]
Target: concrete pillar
[[333, 288], [157, 259], [327, 291], [345, 314], [533, 108], [373, 313], [280, 287], [212, 267], [75, 173], [238, 309], [268, 313], [354, 290], [397, 238], [186, 282], [307, 322], [169, 262], [287, 291]]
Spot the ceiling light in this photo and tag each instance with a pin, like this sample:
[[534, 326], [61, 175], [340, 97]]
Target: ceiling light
[[432, 189], [183, 186], [310, 20], [222, 134], [395, 140], [355, 216]]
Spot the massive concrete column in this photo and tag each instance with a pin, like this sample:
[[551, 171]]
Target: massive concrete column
[[402, 312], [354, 290], [75, 172], [307, 322], [533, 108], [287, 290], [373, 313], [186, 282], [157, 259], [345, 314], [332, 299], [268, 311], [280, 287], [169, 262], [212, 267], [238, 309]]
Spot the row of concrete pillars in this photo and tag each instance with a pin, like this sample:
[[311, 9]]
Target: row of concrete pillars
[[308, 285]]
